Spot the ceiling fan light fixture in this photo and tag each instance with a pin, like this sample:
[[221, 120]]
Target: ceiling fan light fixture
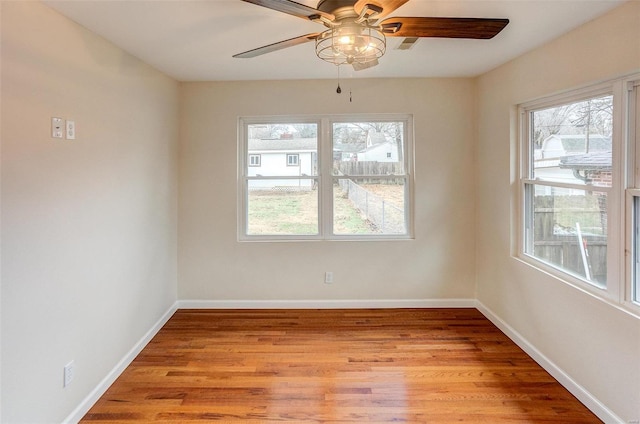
[[349, 44]]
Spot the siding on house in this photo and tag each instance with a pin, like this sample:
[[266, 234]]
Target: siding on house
[[385, 152], [274, 161]]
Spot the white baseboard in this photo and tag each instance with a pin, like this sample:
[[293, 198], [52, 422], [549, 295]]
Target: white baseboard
[[77, 414], [590, 401], [326, 304]]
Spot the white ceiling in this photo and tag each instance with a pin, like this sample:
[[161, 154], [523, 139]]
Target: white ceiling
[[194, 40]]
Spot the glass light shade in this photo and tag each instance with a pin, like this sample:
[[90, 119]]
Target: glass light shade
[[351, 44]]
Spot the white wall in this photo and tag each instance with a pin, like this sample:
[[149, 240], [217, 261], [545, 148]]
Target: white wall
[[597, 345], [438, 264], [88, 226]]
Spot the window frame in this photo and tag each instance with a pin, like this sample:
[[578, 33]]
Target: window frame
[[324, 178], [632, 292], [623, 236], [631, 299]]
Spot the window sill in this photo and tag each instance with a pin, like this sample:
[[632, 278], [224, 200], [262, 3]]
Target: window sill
[[582, 286]]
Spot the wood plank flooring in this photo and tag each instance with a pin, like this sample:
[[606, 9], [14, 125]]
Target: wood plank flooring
[[335, 366]]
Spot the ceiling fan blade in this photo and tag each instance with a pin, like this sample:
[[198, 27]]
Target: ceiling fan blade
[[292, 8], [479, 28], [387, 6], [277, 46]]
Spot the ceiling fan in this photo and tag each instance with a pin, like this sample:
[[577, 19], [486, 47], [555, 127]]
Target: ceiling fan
[[356, 31]]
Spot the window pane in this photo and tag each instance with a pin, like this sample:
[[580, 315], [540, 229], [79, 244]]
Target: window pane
[[282, 207], [369, 206], [572, 143], [283, 149], [636, 251], [368, 148], [568, 229]]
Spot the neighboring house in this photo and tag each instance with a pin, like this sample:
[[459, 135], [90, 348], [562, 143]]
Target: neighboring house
[[346, 151], [379, 149], [591, 168], [556, 148], [282, 157]]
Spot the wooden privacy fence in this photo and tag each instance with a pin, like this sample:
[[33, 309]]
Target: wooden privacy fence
[[565, 252], [556, 241], [368, 168]]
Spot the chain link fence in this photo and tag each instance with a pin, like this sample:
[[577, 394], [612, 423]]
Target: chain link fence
[[388, 218]]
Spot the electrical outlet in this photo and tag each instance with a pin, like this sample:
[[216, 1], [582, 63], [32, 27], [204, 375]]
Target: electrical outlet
[[69, 371], [328, 277]]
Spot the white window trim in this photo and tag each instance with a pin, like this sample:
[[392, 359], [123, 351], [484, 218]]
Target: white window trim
[[630, 251], [615, 259], [632, 135], [625, 186], [325, 177]]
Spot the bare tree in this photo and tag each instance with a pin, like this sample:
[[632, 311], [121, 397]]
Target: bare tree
[[594, 116], [357, 133], [548, 122], [589, 117], [275, 131]]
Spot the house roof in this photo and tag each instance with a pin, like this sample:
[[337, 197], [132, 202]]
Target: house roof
[[589, 161], [291, 144], [576, 143]]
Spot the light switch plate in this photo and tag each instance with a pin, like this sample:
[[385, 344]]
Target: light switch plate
[[57, 129]]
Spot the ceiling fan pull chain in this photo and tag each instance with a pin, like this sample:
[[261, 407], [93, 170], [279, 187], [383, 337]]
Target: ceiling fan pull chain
[[338, 90]]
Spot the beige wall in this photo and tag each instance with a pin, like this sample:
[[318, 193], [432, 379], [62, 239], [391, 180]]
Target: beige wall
[[438, 264], [595, 344], [88, 226]]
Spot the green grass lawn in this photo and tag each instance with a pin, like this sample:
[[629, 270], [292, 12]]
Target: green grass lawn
[[273, 212], [347, 219], [296, 213]]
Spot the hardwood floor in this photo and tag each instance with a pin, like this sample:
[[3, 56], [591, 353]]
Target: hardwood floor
[[335, 366]]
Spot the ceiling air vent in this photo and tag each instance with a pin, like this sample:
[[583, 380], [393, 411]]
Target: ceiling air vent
[[407, 43]]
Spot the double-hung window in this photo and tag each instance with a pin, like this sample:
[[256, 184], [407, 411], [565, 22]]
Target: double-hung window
[[292, 159], [568, 185], [254, 160], [579, 153], [633, 194], [325, 177]]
